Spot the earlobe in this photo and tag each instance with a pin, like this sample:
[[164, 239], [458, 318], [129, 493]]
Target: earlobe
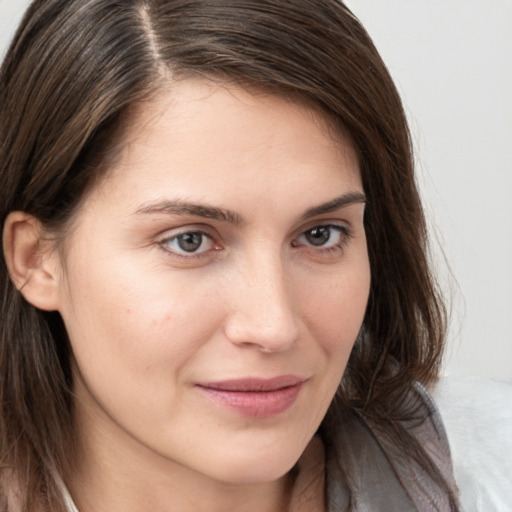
[[31, 261]]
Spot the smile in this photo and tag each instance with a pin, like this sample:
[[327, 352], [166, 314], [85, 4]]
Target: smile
[[256, 398]]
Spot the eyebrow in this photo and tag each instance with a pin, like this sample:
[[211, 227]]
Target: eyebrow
[[336, 204], [181, 207]]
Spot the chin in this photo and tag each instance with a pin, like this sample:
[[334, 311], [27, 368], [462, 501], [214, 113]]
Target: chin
[[257, 467]]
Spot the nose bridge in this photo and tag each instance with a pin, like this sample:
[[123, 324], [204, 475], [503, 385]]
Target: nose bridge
[[263, 312]]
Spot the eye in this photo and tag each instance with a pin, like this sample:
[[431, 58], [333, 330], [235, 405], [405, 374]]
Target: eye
[[328, 236], [190, 242]]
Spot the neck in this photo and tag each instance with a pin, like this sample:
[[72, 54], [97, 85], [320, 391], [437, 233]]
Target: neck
[[138, 494]]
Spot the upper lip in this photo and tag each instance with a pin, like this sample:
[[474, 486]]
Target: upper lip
[[255, 384]]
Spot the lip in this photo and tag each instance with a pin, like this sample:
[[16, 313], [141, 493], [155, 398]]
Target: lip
[[255, 397]]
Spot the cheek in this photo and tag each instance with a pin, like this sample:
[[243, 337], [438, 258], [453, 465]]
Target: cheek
[[125, 320], [134, 341], [335, 311]]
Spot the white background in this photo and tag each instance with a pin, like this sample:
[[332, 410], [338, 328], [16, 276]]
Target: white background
[[452, 61]]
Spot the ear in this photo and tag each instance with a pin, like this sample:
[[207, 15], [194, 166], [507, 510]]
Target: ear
[[32, 261]]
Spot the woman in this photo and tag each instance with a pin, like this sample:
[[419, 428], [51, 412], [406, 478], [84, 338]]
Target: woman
[[215, 287]]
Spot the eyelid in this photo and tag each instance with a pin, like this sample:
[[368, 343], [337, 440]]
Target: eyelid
[[338, 223], [204, 229]]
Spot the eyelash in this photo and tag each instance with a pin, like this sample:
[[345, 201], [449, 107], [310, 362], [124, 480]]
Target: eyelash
[[344, 233]]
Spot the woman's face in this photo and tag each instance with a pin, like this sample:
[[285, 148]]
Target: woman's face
[[214, 283]]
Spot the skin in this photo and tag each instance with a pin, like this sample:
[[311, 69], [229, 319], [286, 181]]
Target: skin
[[148, 321]]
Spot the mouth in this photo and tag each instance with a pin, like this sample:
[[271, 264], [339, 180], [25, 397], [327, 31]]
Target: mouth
[[254, 397]]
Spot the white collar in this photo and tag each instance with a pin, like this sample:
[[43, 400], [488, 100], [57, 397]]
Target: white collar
[[68, 500]]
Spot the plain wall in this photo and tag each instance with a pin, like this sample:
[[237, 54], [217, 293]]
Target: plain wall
[[452, 61]]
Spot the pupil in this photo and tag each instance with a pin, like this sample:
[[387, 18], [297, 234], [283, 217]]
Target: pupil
[[190, 242], [318, 236]]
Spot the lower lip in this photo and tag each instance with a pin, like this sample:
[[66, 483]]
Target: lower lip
[[256, 404]]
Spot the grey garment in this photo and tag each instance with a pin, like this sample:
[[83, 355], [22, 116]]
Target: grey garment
[[366, 472]]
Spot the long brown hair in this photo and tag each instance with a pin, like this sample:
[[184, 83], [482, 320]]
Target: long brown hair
[[73, 72]]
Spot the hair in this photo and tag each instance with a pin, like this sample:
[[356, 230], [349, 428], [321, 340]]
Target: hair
[[74, 72]]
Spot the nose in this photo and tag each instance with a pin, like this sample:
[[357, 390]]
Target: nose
[[262, 314]]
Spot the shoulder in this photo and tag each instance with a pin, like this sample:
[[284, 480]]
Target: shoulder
[[429, 489], [431, 433], [386, 462]]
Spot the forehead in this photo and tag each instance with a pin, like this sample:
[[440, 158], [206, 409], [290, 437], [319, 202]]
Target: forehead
[[208, 108], [217, 142]]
